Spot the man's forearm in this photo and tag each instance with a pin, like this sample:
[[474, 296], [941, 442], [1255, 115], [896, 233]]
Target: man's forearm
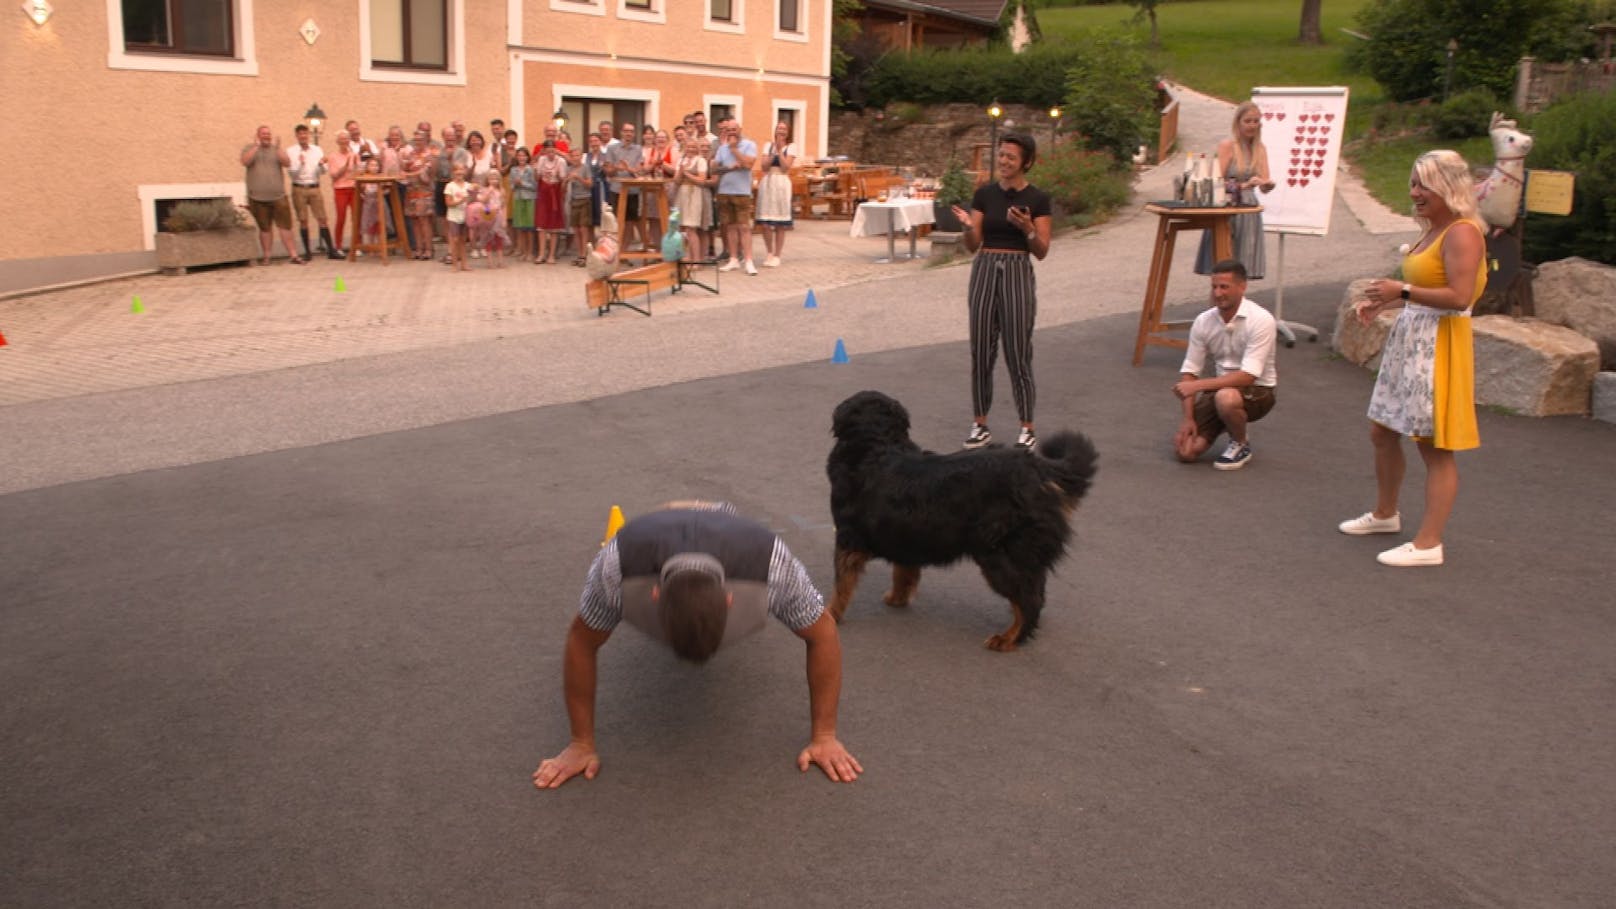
[[824, 683], [579, 683]]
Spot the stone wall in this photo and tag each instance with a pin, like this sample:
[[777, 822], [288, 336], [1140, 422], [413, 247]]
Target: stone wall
[[926, 137]]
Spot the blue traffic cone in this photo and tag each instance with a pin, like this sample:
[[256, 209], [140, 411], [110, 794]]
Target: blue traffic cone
[[840, 356], [810, 303]]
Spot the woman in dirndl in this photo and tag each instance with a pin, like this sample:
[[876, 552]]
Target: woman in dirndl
[[1243, 159], [774, 192], [1426, 386]]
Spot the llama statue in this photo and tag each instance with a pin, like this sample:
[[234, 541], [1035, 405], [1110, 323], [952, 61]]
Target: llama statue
[[1498, 197]]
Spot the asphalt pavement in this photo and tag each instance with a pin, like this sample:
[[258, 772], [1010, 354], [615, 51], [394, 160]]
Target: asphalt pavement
[[291, 635]]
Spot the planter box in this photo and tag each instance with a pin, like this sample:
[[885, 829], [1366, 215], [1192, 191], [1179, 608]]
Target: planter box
[[943, 214], [178, 252]]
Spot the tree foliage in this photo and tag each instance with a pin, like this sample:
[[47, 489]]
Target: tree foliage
[[1579, 136], [1407, 51], [1111, 95]]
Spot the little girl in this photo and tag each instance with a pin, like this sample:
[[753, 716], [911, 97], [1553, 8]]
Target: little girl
[[455, 194], [548, 217], [491, 237], [524, 190], [373, 208]]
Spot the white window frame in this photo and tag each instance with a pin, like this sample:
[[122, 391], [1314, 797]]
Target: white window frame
[[791, 104], [583, 7], [738, 27], [152, 193], [244, 63], [658, 13], [455, 74], [801, 34], [736, 103]]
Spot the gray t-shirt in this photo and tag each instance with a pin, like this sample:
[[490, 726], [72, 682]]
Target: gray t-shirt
[[266, 180], [621, 153]]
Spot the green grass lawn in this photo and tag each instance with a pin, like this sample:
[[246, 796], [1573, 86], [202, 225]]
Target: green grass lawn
[[1385, 164], [1226, 47]]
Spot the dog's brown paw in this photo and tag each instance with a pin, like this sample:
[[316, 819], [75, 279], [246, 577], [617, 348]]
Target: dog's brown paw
[[896, 599], [1003, 643]]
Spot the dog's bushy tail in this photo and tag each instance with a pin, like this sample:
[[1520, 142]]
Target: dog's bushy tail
[[1068, 459]]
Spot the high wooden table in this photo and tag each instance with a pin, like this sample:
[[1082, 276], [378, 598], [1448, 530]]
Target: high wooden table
[[652, 189], [395, 210], [1172, 219]]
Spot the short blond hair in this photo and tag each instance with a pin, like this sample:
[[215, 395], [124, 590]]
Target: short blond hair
[[1444, 172]]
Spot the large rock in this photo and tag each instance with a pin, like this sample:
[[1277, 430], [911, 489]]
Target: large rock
[[1355, 342], [1605, 397], [1532, 367], [1581, 295]]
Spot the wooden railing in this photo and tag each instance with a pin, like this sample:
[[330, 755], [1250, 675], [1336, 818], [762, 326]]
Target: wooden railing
[[1169, 131]]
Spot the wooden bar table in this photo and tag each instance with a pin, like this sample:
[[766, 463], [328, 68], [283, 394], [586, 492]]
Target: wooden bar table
[[395, 211], [651, 188], [1172, 219]]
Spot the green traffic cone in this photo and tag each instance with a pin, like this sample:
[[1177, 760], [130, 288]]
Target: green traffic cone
[[341, 287], [137, 306]]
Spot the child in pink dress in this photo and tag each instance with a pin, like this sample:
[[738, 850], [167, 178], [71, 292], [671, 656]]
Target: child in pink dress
[[490, 234]]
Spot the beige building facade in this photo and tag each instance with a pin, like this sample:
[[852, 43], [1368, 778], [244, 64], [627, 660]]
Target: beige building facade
[[128, 105]]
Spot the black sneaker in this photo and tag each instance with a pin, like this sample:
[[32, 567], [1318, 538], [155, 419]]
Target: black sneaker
[[979, 436], [1234, 457], [1028, 439]]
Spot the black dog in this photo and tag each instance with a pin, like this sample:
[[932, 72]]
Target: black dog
[[1006, 509]]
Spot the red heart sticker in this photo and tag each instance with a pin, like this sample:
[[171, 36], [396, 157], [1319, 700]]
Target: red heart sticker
[[1280, 115], [1304, 181], [1329, 117], [1292, 171], [1318, 171], [1291, 181]]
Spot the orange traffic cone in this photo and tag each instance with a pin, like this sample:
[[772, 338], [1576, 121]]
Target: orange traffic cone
[[2, 340]]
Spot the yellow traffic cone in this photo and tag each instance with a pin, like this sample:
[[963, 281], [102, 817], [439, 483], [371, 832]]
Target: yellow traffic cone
[[614, 523]]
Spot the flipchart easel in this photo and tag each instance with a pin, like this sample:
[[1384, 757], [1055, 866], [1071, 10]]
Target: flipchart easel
[[1302, 129]]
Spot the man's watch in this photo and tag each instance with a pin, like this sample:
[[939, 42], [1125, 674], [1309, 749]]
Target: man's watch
[[1405, 292]]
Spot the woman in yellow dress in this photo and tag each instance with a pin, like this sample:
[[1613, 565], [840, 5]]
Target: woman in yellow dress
[[1426, 386]]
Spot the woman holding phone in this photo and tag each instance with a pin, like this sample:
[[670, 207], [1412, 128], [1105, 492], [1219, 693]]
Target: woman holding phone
[[1009, 222]]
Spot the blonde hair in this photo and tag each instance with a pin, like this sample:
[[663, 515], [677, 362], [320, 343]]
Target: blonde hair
[[1244, 152], [1445, 173]]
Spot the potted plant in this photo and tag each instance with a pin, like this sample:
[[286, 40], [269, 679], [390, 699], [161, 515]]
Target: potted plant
[[205, 232], [955, 187]]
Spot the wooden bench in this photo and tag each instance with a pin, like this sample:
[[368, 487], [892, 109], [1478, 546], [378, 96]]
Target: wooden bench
[[620, 288]]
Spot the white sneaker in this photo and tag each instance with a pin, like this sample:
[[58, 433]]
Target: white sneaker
[[1407, 556], [771, 262], [1367, 523], [750, 268], [731, 265]]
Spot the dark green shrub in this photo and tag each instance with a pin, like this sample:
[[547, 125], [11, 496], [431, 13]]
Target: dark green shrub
[[1579, 136], [1465, 114], [1111, 95], [1086, 185], [955, 186], [1407, 51], [978, 76]]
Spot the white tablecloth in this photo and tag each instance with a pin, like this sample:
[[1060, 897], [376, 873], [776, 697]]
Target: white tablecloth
[[874, 219]]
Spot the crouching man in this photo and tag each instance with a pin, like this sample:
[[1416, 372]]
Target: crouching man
[[698, 576], [1238, 335]]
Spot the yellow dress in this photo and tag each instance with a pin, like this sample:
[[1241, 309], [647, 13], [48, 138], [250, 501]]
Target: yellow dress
[[1427, 384]]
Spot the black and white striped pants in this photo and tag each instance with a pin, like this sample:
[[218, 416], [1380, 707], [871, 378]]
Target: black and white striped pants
[[1003, 301]]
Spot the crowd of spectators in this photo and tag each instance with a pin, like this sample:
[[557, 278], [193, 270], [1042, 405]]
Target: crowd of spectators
[[491, 197]]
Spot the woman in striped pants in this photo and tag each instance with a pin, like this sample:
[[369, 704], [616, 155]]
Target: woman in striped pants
[[1009, 222]]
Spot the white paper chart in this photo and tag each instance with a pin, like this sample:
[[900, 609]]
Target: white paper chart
[[1302, 130]]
